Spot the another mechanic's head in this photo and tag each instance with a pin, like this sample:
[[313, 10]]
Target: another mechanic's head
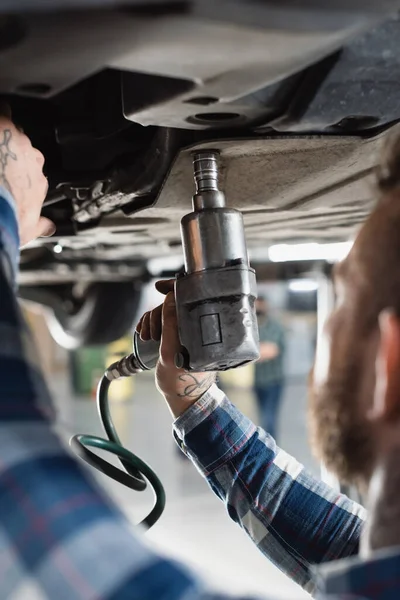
[[355, 385]]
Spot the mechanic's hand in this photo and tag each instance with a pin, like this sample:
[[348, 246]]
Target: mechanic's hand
[[21, 172], [180, 388]]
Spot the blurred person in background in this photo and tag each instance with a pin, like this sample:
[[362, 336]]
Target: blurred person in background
[[269, 370]]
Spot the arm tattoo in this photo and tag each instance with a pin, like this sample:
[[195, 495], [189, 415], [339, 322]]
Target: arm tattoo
[[195, 388], [5, 154]]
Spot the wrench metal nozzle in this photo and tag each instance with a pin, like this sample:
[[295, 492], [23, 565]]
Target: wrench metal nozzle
[[205, 168]]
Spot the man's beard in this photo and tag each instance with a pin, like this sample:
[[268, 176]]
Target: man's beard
[[341, 435]]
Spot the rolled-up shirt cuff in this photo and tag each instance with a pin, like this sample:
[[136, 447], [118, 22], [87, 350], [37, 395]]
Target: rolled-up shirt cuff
[[212, 431]]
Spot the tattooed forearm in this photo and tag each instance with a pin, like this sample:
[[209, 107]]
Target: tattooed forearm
[[195, 387], [5, 155]]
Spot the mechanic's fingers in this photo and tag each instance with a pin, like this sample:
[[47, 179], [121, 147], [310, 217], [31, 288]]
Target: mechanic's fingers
[[170, 343], [155, 323], [139, 325], [45, 227], [145, 328], [165, 286], [38, 157], [149, 326]]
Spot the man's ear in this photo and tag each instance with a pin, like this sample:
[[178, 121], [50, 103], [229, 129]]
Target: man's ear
[[387, 387]]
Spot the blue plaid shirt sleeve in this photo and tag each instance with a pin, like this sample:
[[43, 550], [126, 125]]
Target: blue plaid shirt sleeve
[[61, 538], [297, 521], [9, 236]]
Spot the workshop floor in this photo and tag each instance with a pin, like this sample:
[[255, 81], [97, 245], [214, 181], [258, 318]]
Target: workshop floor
[[194, 527]]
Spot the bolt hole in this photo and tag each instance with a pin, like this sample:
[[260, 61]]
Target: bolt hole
[[202, 100], [36, 89], [215, 117]]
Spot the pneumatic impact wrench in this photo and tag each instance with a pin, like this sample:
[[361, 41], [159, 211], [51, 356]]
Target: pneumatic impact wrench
[[215, 294], [215, 297]]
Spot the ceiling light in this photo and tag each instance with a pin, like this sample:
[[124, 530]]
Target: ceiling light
[[303, 285], [312, 251]]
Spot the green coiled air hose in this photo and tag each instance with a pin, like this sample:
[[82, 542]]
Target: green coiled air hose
[[136, 473]]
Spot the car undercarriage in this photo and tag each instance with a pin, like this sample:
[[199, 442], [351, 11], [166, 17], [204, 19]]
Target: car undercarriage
[[296, 96]]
